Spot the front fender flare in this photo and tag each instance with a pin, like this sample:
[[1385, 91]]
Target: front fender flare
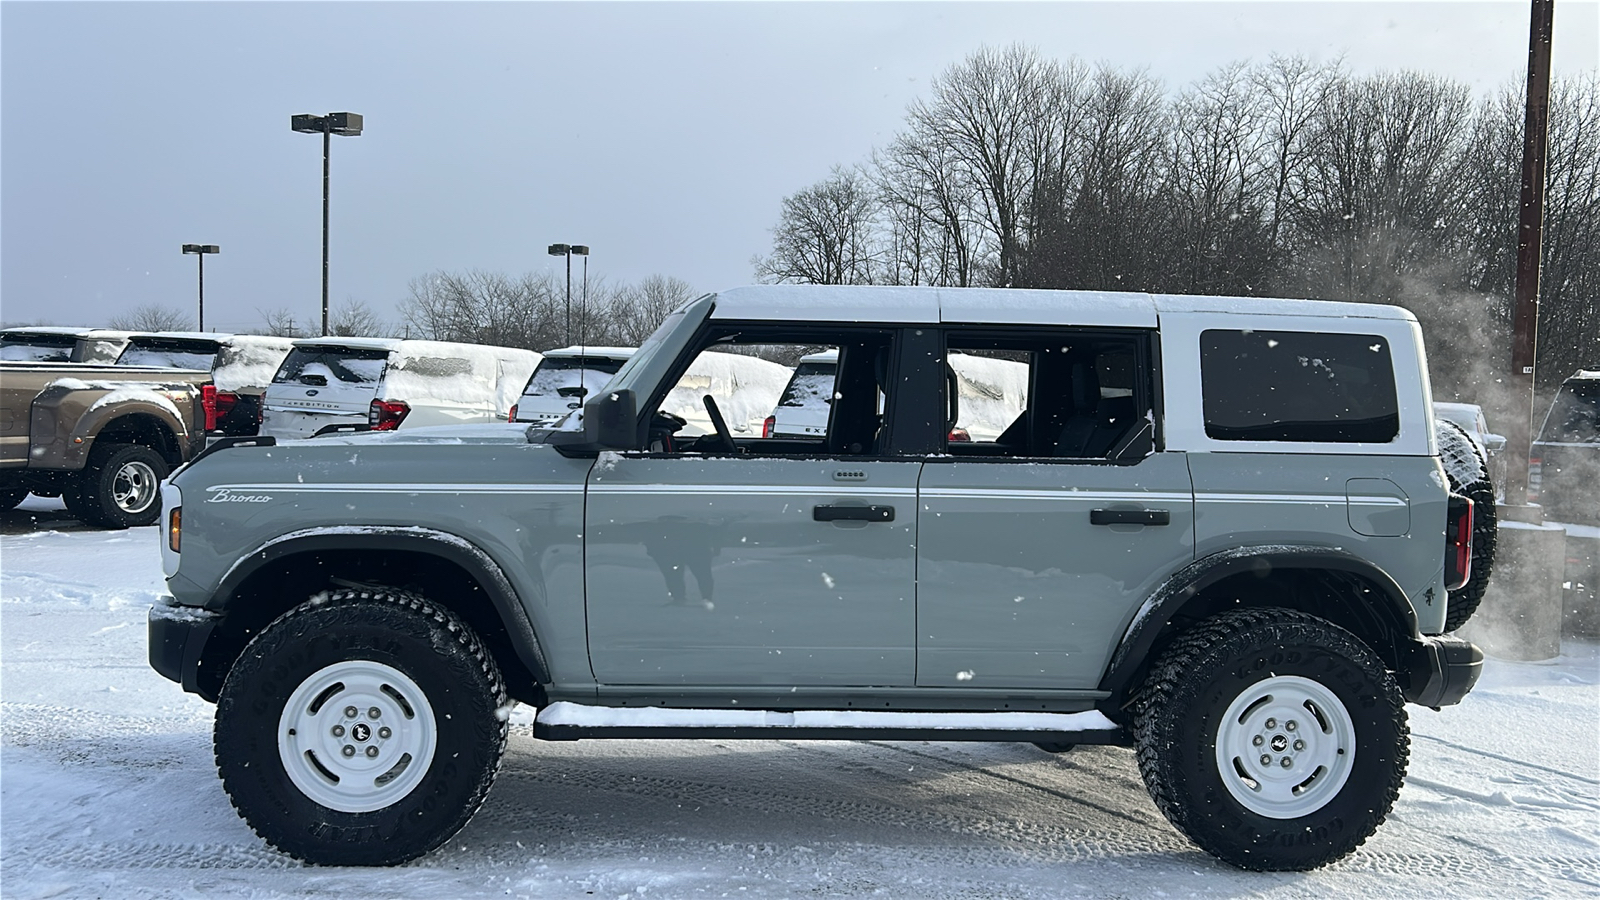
[[410, 539], [1169, 600]]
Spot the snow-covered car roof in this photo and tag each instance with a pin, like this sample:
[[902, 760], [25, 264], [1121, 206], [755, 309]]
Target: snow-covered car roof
[[68, 330], [821, 356], [874, 303], [356, 343], [580, 351]]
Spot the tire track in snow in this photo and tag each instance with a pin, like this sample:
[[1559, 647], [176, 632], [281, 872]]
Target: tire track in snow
[[1509, 759]]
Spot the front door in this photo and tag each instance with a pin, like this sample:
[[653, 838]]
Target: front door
[[721, 570]]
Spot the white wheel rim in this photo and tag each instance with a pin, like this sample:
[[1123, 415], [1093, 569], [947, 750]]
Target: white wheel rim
[[1285, 747], [134, 487], [365, 761]]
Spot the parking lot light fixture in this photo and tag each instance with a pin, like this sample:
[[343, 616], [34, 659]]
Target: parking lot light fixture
[[344, 124], [200, 251]]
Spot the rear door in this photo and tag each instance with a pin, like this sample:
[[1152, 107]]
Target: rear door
[[1036, 546], [322, 385]]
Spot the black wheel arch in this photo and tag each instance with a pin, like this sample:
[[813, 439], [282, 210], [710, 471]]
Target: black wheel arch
[[1330, 583], [145, 429], [445, 568]]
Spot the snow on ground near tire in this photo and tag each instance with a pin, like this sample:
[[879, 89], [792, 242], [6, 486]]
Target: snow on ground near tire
[[108, 789]]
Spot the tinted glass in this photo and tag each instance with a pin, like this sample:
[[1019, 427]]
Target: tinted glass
[[1298, 386], [38, 348], [347, 364], [170, 353], [1575, 416]]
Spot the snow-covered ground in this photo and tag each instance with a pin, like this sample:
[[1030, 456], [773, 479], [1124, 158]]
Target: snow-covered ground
[[107, 789]]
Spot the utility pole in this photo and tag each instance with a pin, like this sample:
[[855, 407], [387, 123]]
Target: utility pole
[[1530, 233]]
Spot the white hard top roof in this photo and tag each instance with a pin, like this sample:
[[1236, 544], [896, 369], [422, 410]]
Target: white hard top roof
[[608, 352], [911, 305]]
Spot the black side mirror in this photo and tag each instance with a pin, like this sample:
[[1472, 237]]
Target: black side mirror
[[611, 421]]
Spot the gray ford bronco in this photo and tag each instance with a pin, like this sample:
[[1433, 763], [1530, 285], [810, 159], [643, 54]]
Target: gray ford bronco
[[1218, 532]]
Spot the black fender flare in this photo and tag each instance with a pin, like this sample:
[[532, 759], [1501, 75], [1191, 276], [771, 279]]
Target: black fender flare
[[1169, 600], [409, 539]]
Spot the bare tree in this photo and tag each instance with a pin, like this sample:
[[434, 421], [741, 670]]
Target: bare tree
[[990, 115], [486, 308], [354, 318], [153, 317], [633, 312], [824, 234], [281, 323], [1220, 186]]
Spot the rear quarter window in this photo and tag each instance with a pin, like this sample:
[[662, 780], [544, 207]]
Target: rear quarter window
[[1298, 386]]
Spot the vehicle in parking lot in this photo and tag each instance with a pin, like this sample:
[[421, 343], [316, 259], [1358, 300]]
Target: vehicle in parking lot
[[382, 384], [1217, 530], [52, 343], [563, 378], [745, 386], [241, 367], [101, 437], [1564, 462]]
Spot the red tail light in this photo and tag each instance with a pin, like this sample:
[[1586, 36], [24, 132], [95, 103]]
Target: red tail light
[[208, 403], [1535, 481], [217, 404], [512, 416], [386, 415], [768, 425], [1458, 543]]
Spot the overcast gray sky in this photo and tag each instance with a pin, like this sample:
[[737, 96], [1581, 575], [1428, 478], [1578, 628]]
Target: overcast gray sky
[[664, 135]]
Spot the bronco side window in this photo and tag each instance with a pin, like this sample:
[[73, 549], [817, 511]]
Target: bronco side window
[[1298, 386], [1073, 395], [780, 395]]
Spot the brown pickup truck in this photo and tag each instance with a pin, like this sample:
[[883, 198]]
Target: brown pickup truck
[[101, 437]]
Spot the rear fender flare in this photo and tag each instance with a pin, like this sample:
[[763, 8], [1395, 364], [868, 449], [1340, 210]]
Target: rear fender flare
[[1170, 599]]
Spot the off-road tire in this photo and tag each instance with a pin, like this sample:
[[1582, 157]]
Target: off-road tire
[[10, 499], [441, 675], [120, 487], [1470, 479], [1242, 657]]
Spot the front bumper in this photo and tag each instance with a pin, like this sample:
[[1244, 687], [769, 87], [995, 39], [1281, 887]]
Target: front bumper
[[1440, 670], [178, 636]]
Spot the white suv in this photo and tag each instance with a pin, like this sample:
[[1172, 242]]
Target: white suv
[[379, 384]]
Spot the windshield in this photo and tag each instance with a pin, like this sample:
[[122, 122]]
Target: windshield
[[347, 364], [1575, 416], [37, 348], [649, 363], [170, 353]]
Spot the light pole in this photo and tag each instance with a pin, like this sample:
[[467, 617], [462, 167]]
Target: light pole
[[347, 124], [568, 250], [200, 251]]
